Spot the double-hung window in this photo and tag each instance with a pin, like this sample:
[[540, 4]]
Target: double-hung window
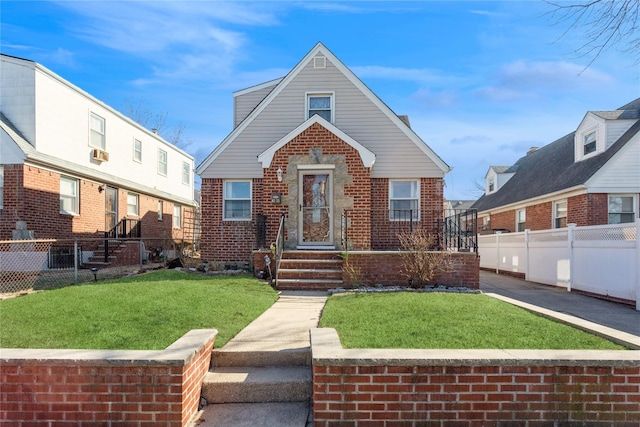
[[590, 143], [69, 200], [621, 208], [237, 200], [320, 104], [404, 200], [97, 137], [137, 150], [162, 162], [177, 216], [560, 214], [521, 220], [160, 209], [132, 204], [186, 173]]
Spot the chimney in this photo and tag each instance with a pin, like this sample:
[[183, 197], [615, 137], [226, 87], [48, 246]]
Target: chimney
[[405, 119], [532, 150]]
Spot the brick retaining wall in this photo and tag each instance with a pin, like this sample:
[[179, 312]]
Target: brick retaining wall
[[354, 387], [105, 387]]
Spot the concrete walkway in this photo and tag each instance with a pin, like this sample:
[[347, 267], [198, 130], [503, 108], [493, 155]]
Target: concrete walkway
[[284, 329], [280, 334]]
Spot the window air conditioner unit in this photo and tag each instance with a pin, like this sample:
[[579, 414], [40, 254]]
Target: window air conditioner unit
[[100, 155]]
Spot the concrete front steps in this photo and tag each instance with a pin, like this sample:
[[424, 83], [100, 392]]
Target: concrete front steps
[[258, 377], [319, 270]]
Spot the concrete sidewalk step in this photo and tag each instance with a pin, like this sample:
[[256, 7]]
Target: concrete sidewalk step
[[226, 357], [283, 414], [257, 384]]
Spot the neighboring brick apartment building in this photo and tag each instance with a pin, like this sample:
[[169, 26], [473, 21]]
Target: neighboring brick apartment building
[[71, 166], [312, 146], [588, 177]]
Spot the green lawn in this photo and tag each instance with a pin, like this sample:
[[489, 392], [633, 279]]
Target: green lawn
[[441, 320], [148, 311]]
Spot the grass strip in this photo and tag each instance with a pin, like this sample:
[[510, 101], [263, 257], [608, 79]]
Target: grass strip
[[448, 321], [144, 312]]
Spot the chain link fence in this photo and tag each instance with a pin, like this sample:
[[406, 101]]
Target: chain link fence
[[29, 265]]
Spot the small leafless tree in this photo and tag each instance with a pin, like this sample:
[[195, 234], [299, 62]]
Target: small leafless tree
[[604, 23], [140, 113], [421, 263]]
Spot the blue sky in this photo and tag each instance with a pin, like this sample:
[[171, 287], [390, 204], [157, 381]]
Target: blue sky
[[481, 81]]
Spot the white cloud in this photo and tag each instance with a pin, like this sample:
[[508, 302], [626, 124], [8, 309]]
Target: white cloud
[[528, 79]]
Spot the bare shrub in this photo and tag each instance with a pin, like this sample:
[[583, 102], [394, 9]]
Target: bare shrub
[[420, 262], [353, 272]]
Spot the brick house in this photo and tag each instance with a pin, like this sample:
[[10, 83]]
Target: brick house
[[73, 167], [588, 177], [320, 149]]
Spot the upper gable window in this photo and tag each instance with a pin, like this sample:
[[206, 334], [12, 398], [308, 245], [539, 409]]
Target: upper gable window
[[320, 104], [589, 143], [97, 137]]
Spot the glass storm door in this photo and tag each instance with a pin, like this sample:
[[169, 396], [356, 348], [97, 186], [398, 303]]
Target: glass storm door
[[315, 218], [111, 208]]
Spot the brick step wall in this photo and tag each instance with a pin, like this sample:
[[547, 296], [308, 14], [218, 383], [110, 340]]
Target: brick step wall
[[310, 270]]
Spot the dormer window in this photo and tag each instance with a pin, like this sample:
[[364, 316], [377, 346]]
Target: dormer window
[[492, 184], [320, 104], [590, 143]]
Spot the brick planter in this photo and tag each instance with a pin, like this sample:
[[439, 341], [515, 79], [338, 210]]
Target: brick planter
[[105, 387]]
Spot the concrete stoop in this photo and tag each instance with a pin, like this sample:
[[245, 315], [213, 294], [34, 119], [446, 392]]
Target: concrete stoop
[[257, 384]]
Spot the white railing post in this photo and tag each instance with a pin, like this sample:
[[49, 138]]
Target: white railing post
[[75, 261], [570, 236], [637, 284], [527, 270], [498, 233]]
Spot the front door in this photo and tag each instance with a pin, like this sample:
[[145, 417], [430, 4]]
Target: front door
[[316, 202], [111, 208]]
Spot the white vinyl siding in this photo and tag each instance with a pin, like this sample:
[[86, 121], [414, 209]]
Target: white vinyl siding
[[404, 200], [237, 200], [133, 204], [621, 173], [69, 198], [245, 103], [357, 116]]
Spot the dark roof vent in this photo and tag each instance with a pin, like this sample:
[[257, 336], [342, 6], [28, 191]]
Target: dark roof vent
[[532, 150], [405, 119]]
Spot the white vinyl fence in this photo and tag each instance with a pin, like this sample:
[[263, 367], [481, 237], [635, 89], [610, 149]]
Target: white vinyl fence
[[602, 259]]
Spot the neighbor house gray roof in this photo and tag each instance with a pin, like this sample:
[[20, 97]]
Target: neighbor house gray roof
[[552, 168]]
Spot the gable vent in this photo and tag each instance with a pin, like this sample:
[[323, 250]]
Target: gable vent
[[320, 62]]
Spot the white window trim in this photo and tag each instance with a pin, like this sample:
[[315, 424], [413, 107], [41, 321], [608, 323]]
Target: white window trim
[[332, 101], [76, 204], [418, 199], [166, 163], [177, 218], [224, 199], [518, 219], [104, 131], [137, 205], [187, 169], [634, 204], [555, 213], [136, 151], [160, 209], [580, 138]]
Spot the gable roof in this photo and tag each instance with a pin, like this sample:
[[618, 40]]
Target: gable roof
[[552, 168], [320, 48], [367, 157]]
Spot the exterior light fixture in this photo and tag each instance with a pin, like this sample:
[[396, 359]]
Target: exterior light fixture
[[279, 174]]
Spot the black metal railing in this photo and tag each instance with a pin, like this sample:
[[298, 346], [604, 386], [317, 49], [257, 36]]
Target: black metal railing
[[459, 231], [280, 241], [127, 228], [454, 230]]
